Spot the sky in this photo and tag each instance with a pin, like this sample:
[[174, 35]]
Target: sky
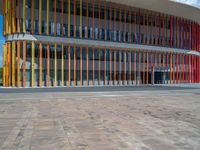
[[195, 3]]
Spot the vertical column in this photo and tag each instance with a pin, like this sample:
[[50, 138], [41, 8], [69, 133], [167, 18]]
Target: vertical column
[[110, 22], [81, 22], [139, 60], [99, 73], [87, 14], [48, 10], [10, 17], [167, 65], [40, 65], [62, 64], [24, 64], [177, 70], [105, 80], [55, 13], [40, 16], [171, 35], [69, 23], [163, 31], [125, 66], [9, 64], [33, 65], [55, 65], [75, 66], [147, 76], [183, 68], [105, 15], [87, 65], [151, 31], [166, 43], [120, 67], [93, 66], [135, 67], [69, 66], [75, 18], [18, 16], [93, 20], [24, 16], [4, 65], [130, 66], [81, 66], [143, 68], [4, 18], [33, 15], [114, 66], [180, 69], [110, 66], [155, 29], [99, 17], [62, 18], [13, 16], [48, 65], [18, 64], [173, 70], [187, 72], [13, 62], [170, 68]]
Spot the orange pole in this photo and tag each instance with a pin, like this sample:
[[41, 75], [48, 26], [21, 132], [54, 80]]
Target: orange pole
[[18, 64]]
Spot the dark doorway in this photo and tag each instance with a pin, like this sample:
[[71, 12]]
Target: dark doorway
[[158, 78]]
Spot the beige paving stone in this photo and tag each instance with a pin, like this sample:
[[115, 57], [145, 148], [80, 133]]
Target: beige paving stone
[[149, 120]]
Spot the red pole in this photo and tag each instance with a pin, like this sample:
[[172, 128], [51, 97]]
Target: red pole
[[167, 64], [183, 65], [176, 68]]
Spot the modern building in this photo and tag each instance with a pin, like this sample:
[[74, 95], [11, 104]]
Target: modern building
[[99, 43]]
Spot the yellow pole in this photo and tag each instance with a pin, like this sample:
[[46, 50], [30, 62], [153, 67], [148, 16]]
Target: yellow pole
[[47, 17], [24, 16], [4, 64], [69, 18], [13, 62], [40, 17], [40, 83], [62, 65], [55, 66], [33, 65]]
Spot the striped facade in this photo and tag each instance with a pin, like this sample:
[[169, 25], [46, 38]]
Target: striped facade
[[96, 43]]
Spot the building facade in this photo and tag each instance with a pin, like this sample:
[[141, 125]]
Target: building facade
[[96, 43]]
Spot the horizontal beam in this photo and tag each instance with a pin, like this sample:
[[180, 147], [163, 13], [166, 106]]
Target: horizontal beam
[[96, 43]]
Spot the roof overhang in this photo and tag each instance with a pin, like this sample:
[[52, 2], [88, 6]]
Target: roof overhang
[[163, 6]]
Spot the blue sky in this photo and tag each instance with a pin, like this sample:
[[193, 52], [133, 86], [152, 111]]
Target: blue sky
[[1, 39], [195, 3]]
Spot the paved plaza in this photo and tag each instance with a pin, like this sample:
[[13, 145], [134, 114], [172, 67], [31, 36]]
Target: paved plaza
[[126, 120]]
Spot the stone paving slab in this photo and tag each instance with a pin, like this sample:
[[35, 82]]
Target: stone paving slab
[[150, 120]]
